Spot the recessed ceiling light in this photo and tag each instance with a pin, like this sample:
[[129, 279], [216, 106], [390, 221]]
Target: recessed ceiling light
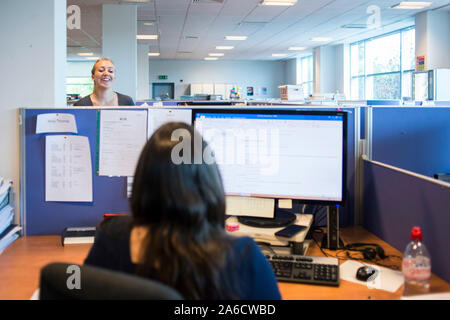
[[278, 2], [85, 54], [216, 54], [224, 47], [297, 48], [238, 38], [147, 36], [153, 54], [321, 39], [134, 1], [149, 23], [92, 58], [412, 5], [211, 58], [279, 54]]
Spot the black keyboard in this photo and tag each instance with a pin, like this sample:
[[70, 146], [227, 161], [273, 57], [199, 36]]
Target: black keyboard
[[305, 269]]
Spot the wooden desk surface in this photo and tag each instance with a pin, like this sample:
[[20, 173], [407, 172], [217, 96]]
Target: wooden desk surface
[[21, 262]]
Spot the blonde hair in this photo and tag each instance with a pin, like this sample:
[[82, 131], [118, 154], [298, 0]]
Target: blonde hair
[[98, 60]]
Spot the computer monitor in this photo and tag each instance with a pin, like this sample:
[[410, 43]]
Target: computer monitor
[[281, 154]]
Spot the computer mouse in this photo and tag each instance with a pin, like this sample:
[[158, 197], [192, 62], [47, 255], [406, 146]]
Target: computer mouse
[[365, 272]]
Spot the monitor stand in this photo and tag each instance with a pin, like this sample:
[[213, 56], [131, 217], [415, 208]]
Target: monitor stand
[[282, 218]]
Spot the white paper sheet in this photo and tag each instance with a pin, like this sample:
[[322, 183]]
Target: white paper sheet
[[123, 134], [68, 169], [158, 117], [387, 279], [56, 122], [248, 206]]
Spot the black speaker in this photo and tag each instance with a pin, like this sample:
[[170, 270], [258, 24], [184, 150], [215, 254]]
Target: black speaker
[[331, 239]]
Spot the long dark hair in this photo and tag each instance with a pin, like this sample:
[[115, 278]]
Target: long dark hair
[[183, 206]]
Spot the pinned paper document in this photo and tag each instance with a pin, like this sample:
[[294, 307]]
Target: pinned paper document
[[158, 117], [123, 134], [56, 122], [68, 169]]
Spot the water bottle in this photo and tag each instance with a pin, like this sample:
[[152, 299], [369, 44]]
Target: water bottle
[[416, 265]]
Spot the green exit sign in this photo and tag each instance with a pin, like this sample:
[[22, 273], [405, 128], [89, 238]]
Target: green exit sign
[[162, 77]]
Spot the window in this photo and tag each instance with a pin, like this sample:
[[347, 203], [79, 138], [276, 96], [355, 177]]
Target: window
[[381, 67], [305, 74], [79, 85]]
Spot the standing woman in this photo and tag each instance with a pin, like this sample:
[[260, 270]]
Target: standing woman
[[103, 75]]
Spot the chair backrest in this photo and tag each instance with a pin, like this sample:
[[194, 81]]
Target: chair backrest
[[63, 281]]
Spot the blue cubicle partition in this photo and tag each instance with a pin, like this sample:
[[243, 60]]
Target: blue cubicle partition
[[395, 201], [109, 194], [414, 139], [43, 218]]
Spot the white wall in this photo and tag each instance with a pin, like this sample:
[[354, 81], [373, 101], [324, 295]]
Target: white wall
[[142, 72], [119, 43], [326, 63], [433, 38], [290, 71], [255, 74], [32, 66]]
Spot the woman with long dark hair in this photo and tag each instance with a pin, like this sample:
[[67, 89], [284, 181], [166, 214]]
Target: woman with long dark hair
[[176, 234]]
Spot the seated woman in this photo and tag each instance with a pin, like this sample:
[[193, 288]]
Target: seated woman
[[176, 232], [104, 73]]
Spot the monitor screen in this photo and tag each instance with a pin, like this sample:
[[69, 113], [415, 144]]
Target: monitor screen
[[282, 154]]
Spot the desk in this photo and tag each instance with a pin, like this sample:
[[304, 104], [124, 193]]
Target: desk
[[20, 265]]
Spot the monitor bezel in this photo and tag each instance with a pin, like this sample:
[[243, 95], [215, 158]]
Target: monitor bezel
[[344, 115]]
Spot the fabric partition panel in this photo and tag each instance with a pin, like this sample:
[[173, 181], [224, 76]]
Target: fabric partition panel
[[45, 218], [415, 139], [395, 201]]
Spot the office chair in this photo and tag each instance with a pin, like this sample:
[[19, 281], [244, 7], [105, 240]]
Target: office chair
[[99, 284]]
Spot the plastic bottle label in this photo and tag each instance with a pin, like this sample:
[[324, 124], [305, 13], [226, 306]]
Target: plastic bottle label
[[412, 270]]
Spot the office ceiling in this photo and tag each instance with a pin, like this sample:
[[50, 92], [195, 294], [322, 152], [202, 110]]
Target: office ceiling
[[191, 29]]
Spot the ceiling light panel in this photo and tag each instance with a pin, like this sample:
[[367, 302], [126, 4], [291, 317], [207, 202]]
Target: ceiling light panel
[[278, 2], [147, 37], [236, 38], [297, 48], [412, 5]]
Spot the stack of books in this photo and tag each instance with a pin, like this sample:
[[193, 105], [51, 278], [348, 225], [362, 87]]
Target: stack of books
[[8, 230], [78, 235]]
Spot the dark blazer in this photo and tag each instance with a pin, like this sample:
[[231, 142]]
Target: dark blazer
[[111, 250], [124, 100]]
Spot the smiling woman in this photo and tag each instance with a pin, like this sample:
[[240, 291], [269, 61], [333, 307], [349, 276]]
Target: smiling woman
[[103, 75]]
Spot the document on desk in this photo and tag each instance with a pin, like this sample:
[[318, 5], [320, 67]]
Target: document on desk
[[248, 206], [123, 134], [56, 122], [158, 117], [68, 169]]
